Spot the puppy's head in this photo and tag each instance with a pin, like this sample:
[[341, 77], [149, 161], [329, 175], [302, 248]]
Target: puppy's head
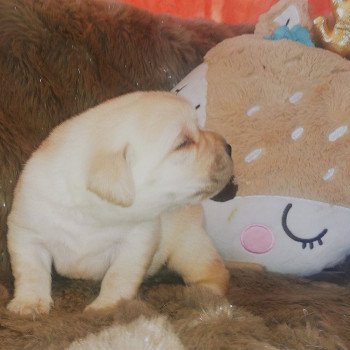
[[152, 156]]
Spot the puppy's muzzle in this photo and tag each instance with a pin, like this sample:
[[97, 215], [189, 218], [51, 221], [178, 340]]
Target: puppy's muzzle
[[230, 190], [227, 193], [228, 149]]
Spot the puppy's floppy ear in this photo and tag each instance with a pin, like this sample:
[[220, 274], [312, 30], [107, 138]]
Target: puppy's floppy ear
[[111, 179]]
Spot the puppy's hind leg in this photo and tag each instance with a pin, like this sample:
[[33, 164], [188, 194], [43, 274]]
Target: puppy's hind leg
[[31, 266], [191, 252]]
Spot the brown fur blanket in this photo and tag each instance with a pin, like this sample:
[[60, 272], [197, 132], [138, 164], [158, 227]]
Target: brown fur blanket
[[262, 311], [60, 57]]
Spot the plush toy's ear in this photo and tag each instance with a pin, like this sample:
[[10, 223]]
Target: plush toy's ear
[[289, 17], [284, 13], [110, 178]]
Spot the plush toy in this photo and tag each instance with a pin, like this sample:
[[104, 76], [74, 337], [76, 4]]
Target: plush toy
[[336, 39], [285, 109]]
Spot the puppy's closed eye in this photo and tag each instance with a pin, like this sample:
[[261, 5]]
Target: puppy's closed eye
[[186, 143]]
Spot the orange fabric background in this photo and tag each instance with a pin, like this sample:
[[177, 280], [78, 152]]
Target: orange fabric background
[[229, 11]]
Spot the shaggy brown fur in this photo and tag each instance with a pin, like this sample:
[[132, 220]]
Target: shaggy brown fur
[[60, 57], [268, 312]]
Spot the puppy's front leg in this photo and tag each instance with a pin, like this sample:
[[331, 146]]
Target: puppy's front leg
[[31, 267], [191, 252], [128, 269]]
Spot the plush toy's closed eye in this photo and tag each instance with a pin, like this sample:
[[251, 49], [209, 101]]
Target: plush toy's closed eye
[[304, 241]]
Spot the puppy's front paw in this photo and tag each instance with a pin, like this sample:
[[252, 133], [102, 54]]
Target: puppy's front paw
[[27, 307]]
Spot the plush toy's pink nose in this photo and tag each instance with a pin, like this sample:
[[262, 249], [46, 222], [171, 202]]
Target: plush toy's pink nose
[[257, 239]]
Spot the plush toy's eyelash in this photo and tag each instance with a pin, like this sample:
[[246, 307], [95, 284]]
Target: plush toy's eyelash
[[184, 144], [304, 242], [179, 89]]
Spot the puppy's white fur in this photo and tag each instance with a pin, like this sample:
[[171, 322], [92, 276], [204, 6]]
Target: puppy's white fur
[[103, 198]]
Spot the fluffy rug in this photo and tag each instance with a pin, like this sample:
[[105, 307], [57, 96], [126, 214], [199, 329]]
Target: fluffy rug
[[262, 311]]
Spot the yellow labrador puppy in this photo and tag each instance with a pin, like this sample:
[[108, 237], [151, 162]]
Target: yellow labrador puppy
[[104, 198]]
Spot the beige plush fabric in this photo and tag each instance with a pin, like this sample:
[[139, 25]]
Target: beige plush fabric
[[285, 108]]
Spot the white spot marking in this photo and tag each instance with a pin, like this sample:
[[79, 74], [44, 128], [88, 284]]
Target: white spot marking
[[297, 133], [253, 155], [253, 110], [329, 174], [296, 97], [339, 132]]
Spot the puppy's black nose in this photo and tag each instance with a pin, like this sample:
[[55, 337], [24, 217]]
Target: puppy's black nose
[[228, 149]]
